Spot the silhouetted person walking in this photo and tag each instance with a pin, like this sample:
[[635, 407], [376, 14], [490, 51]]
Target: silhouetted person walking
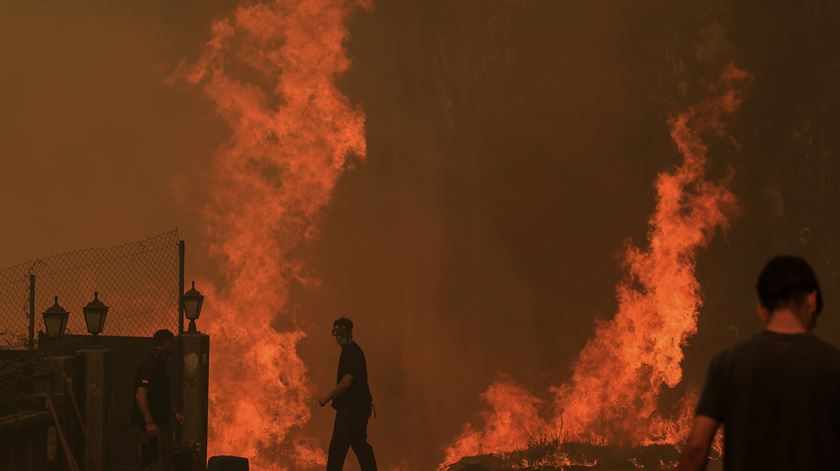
[[777, 394], [352, 401], [153, 406]]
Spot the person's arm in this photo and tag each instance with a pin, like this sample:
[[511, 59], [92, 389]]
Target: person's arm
[[708, 416], [696, 450], [339, 389], [175, 412], [141, 396]]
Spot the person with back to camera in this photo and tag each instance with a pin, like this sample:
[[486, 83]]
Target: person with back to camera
[[352, 401], [777, 394]]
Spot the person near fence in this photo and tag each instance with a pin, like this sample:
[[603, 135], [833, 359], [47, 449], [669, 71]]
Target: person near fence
[[776, 394], [352, 401], [153, 405]]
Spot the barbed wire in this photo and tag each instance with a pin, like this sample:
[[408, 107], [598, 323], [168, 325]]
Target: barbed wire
[[137, 280]]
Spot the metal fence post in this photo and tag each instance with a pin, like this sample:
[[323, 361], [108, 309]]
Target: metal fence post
[[181, 252], [31, 310], [179, 431]]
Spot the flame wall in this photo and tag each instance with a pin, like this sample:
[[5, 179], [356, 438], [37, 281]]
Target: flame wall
[[270, 68]]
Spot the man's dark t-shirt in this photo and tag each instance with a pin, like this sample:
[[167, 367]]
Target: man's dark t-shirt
[[778, 399], [357, 396], [151, 374]]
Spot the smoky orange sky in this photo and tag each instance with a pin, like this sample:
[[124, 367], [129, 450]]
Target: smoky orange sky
[[512, 147]]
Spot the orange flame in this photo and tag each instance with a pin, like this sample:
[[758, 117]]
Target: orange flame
[[270, 69], [514, 418], [614, 390]]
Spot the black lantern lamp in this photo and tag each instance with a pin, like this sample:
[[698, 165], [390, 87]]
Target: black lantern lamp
[[95, 313], [193, 300], [55, 320]]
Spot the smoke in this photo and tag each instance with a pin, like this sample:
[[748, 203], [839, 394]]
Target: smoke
[[613, 395], [270, 69]]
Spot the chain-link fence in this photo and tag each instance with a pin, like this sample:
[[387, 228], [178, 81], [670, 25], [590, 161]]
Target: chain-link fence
[[139, 281]]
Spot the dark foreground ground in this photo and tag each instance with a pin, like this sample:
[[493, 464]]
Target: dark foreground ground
[[555, 456]]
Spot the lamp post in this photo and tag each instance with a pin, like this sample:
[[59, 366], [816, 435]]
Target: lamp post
[[193, 300], [55, 320], [97, 385], [195, 347], [95, 314]]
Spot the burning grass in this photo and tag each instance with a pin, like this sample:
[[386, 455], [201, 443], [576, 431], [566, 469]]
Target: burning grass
[[551, 453]]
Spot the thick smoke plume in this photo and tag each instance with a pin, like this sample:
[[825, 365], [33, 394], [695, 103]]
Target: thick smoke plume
[[613, 394], [270, 69]]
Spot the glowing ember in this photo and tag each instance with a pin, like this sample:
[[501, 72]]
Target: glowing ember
[[613, 394], [270, 69]]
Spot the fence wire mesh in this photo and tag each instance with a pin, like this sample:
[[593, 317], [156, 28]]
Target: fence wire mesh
[[137, 280], [14, 305]]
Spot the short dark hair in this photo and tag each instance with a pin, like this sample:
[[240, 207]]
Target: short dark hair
[[162, 336], [344, 323], [786, 280]]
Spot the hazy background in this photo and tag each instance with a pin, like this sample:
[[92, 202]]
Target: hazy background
[[512, 146]]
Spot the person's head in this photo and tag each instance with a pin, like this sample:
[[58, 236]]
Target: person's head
[[788, 282], [343, 330], [163, 341]]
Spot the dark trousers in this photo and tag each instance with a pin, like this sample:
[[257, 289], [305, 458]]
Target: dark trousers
[[350, 431], [154, 451]]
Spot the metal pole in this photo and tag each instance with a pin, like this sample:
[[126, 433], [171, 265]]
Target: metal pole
[[180, 392], [31, 310], [181, 252]]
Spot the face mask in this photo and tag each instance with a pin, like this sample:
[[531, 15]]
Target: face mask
[[341, 334]]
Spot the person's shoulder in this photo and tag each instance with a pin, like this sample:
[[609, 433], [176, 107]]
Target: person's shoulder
[[145, 372], [738, 347], [721, 358], [820, 343], [729, 354], [825, 348], [811, 342], [356, 350], [824, 356]]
